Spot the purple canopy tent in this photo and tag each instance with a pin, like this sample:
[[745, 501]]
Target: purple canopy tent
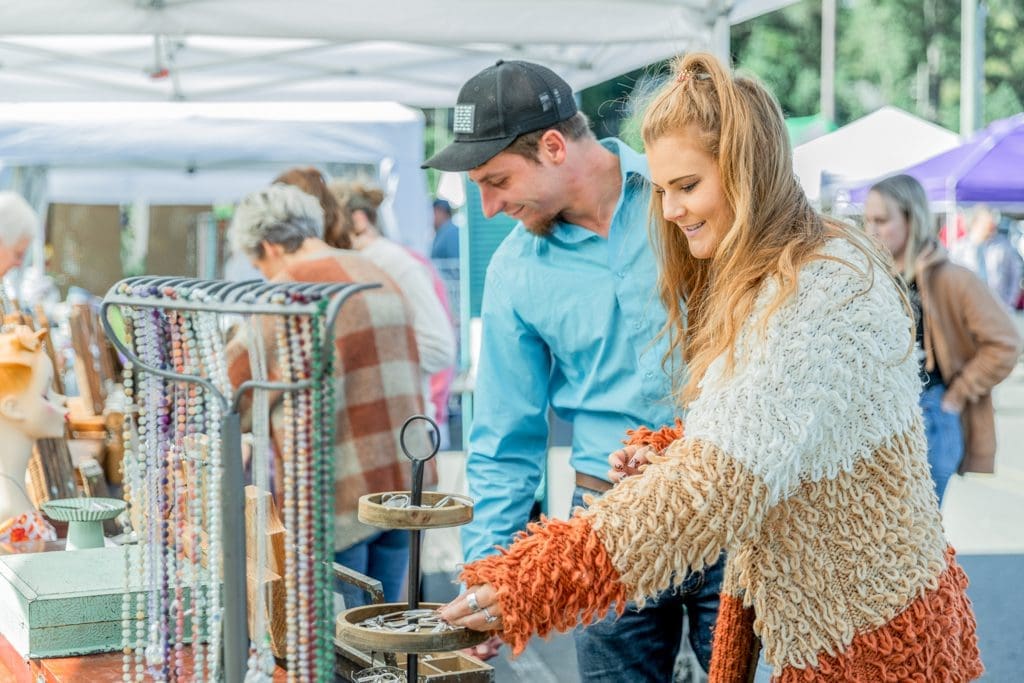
[[988, 168]]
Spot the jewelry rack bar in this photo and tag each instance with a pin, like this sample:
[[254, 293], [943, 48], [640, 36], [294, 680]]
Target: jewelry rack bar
[[246, 299]]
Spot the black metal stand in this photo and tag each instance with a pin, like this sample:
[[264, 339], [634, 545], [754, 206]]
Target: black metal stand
[[415, 499]]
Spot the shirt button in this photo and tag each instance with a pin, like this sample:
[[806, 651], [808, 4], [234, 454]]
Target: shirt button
[[621, 274], [648, 374]]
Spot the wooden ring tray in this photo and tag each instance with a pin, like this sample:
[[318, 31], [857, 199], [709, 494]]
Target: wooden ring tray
[[374, 640], [456, 513]]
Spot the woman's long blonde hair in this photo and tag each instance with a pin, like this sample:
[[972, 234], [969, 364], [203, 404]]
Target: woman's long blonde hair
[[775, 230]]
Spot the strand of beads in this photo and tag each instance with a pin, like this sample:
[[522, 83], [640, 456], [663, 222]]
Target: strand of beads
[[148, 655], [211, 350], [191, 471], [147, 444], [304, 493], [322, 367], [284, 371], [261, 663], [130, 492], [175, 550]]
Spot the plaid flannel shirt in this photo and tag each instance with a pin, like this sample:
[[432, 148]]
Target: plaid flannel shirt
[[377, 385]]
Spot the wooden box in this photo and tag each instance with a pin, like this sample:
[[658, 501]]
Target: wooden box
[[59, 604]]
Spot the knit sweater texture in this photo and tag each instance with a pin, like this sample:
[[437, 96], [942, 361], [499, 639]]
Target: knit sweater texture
[[807, 465]]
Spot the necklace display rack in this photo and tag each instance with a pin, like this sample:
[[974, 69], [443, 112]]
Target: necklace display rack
[[183, 474], [411, 628]]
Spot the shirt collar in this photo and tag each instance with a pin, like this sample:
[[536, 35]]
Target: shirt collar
[[631, 165]]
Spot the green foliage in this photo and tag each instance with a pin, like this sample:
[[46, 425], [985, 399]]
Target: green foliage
[[778, 48], [900, 52]]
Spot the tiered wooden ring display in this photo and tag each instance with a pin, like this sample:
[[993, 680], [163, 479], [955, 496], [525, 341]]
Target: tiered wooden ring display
[[456, 512], [382, 640]]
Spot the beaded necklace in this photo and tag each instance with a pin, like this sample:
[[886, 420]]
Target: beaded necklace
[[211, 352], [284, 370], [322, 368], [130, 486], [261, 662], [303, 480]]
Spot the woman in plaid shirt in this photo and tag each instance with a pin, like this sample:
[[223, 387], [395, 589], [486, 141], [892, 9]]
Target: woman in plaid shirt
[[377, 371]]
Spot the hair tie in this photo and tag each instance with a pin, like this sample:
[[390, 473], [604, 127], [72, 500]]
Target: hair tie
[[687, 74]]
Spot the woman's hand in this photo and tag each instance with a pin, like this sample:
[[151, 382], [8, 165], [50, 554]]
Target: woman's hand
[[476, 609], [628, 461], [952, 402]]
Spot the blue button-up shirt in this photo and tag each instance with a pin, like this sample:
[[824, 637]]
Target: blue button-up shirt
[[568, 321]]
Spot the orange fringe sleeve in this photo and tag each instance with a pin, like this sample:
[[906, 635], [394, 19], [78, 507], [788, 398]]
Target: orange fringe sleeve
[[659, 439], [552, 578]]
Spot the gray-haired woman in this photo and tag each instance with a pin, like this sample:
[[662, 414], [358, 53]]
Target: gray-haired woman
[[377, 369]]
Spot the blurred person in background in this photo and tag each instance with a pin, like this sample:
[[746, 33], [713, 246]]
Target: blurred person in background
[[313, 183], [281, 230], [446, 233], [966, 339], [988, 253], [19, 224], [357, 203]]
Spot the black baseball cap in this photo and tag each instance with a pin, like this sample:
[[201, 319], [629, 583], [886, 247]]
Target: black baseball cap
[[498, 105]]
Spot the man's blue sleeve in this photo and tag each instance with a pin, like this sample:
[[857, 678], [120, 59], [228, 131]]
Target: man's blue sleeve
[[508, 440]]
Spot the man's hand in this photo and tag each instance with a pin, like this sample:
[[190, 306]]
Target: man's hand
[[488, 649]]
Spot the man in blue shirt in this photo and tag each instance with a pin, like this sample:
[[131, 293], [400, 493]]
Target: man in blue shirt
[[570, 314]]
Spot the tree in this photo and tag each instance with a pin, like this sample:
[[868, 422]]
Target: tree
[[900, 52]]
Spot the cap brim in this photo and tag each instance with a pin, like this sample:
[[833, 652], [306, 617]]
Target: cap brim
[[467, 155]]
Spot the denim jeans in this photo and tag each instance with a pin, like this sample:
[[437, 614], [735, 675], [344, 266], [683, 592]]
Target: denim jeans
[[642, 645], [385, 557], [945, 436]]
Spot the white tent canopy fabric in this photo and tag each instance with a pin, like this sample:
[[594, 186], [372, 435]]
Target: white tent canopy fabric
[[200, 153], [418, 53], [883, 142]]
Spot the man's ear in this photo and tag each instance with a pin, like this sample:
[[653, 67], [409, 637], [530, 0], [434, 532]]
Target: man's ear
[[10, 408], [552, 146]]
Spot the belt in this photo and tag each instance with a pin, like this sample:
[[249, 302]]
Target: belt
[[593, 483]]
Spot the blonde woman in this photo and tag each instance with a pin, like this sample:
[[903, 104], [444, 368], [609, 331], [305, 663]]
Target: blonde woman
[[967, 342], [803, 455]]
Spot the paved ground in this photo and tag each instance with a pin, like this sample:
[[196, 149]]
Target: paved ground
[[984, 519]]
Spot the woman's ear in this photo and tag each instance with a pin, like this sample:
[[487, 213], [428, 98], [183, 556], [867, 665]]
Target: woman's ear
[[271, 250], [361, 222], [10, 408]]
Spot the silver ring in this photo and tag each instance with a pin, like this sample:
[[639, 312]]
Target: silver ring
[[471, 601], [488, 617]]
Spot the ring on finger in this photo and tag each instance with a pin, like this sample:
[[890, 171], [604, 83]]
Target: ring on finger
[[488, 617], [471, 601]]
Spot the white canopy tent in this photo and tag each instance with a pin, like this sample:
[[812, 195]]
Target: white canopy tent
[[418, 53], [883, 142], [205, 153]]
